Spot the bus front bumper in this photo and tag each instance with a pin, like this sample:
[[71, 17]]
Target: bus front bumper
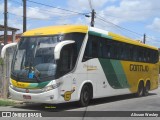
[[43, 97]]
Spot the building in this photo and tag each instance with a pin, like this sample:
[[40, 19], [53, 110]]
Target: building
[[12, 37]]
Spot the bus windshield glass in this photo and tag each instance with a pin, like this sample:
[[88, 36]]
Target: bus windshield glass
[[34, 59]]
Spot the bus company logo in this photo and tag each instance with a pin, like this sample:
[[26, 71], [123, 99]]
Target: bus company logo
[[90, 67], [139, 68], [67, 95], [20, 84]]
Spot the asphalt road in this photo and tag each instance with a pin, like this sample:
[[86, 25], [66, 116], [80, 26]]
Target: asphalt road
[[118, 103]]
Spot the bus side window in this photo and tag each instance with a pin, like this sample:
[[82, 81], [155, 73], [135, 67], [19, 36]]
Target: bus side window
[[147, 55], [91, 50], [135, 53], [111, 50], [95, 46], [155, 56], [124, 52]]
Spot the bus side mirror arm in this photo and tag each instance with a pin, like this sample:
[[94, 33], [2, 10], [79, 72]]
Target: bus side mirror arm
[[3, 51], [59, 47]]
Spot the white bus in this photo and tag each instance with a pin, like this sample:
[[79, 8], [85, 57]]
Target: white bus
[[66, 63]]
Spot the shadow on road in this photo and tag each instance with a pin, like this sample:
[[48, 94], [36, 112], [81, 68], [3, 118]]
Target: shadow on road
[[74, 105]]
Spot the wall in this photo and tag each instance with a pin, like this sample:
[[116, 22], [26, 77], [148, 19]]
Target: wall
[[5, 72]]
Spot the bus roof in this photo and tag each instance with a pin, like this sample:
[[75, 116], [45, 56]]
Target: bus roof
[[52, 30]]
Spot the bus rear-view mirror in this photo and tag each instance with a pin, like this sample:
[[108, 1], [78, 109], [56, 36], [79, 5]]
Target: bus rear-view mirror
[[4, 49]]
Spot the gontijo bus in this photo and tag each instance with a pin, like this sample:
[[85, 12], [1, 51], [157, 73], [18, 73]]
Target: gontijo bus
[[66, 63]]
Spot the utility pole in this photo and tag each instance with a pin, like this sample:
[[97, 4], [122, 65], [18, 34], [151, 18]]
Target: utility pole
[[92, 17], [144, 38], [5, 21], [24, 16], [4, 90]]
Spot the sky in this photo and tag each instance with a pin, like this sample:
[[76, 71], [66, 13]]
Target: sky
[[130, 18]]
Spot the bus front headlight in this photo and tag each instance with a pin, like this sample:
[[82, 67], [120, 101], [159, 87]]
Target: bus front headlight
[[50, 87]]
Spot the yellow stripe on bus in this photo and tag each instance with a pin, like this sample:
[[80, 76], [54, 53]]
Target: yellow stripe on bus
[[52, 30], [19, 84]]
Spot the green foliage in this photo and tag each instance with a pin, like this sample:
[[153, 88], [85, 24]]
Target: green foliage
[[1, 61], [6, 102]]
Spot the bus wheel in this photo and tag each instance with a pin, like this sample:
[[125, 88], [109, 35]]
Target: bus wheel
[[147, 88], [85, 96], [140, 91]]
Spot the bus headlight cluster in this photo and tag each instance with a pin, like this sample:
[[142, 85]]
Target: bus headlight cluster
[[50, 87]]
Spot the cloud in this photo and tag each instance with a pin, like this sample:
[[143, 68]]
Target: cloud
[[1, 7], [15, 14], [129, 10], [83, 5], [152, 40], [32, 12], [155, 25]]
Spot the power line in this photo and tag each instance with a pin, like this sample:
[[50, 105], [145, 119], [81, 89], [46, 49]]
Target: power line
[[143, 10], [58, 14], [16, 2], [33, 18], [138, 34], [22, 16], [121, 17], [55, 7], [104, 20], [30, 7], [53, 13]]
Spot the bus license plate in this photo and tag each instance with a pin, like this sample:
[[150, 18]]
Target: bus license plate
[[26, 96]]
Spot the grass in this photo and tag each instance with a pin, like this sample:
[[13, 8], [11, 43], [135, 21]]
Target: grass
[[1, 61], [5, 102]]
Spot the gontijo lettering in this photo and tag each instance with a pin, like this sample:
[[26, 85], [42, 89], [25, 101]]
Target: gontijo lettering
[[139, 68]]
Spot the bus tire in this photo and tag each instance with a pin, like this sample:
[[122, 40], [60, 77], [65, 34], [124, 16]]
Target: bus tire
[[147, 88], [140, 91], [85, 96]]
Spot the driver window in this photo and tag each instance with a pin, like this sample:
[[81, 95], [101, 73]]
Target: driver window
[[67, 59]]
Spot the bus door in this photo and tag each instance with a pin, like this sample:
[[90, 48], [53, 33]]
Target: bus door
[[66, 65]]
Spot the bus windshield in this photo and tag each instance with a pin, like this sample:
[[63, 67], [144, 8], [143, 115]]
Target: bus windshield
[[34, 59]]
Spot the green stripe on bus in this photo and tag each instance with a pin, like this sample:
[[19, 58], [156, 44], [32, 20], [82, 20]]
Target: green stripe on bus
[[38, 85], [99, 34], [110, 73], [119, 72]]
